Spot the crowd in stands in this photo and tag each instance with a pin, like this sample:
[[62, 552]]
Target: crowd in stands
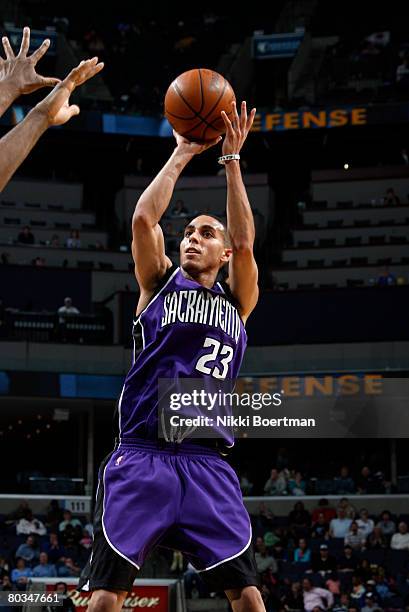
[[58, 546], [286, 481], [343, 556]]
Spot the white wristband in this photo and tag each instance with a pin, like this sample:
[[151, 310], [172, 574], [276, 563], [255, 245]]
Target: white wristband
[[224, 158]]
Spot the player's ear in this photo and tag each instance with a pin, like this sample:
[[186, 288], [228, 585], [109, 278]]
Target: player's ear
[[226, 255]]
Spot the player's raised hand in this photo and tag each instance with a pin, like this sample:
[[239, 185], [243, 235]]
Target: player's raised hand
[[194, 148], [19, 71], [56, 106], [237, 129]]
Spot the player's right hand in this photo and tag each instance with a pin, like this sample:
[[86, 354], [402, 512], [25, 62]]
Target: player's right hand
[[194, 148], [56, 107]]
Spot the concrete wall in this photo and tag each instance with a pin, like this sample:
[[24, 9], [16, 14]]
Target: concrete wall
[[360, 190], [399, 214], [29, 215], [266, 360], [339, 234], [44, 192]]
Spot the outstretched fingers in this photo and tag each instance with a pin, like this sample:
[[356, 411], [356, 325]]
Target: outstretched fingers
[[84, 71], [227, 123], [7, 48], [250, 119], [25, 42], [42, 49]]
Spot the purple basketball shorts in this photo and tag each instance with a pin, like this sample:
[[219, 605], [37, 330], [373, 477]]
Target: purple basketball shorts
[[184, 497]]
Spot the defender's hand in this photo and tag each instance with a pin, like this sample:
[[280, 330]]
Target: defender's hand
[[18, 72], [193, 148], [237, 129], [56, 107]]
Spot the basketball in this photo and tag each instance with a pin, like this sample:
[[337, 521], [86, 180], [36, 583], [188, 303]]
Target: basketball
[[194, 101]]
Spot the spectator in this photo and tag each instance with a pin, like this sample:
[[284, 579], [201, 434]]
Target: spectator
[[365, 523], [400, 540], [386, 525], [179, 209], [276, 484], [6, 586], [270, 539], [68, 310], [245, 485], [69, 569], [294, 599], [26, 236], [358, 591], [365, 480], [314, 597], [376, 539], [54, 515], [296, 484], [333, 584], [4, 568], [320, 529], [324, 508], [68, 605], [86, 540], [343, 605], [20, 574], [354, 538], [29, 524], [364, 570], [339, 527], [391, 199], [44, 569], [69, 520], [54, 549], [264, 561], [28, 550], [324, 562], [344, 483], [345, 504], [55, 241], [370, 604], [348, 562], [74, 241], [299, 520], [302, 554]]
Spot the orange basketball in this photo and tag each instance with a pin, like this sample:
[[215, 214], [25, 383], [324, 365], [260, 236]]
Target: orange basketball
[[194, 101]]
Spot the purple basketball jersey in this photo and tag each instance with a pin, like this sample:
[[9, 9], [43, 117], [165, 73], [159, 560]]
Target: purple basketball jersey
[[188, 331]]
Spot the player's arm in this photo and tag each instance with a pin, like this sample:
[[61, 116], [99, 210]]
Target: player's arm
[[18, 72], [53, 110], [243, 272], [148, 245]]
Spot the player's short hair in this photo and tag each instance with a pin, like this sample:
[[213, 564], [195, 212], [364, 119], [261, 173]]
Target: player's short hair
[[222, 222]]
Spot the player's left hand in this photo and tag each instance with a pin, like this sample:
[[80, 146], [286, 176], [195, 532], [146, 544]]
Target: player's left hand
[[237, 129], [19, 72]]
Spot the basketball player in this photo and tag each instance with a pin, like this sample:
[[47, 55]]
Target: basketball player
[[182, 496], [18, 76]]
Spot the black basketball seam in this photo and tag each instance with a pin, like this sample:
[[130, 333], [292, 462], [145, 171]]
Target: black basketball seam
[[202, 119], [201, 90], [198, 124]]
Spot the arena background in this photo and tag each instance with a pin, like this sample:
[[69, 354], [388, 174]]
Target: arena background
[[327, 172]]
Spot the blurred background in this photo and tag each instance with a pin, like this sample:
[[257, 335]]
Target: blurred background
[[327, 172]]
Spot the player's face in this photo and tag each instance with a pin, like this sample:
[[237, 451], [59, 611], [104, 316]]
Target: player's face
[[203, 245]]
